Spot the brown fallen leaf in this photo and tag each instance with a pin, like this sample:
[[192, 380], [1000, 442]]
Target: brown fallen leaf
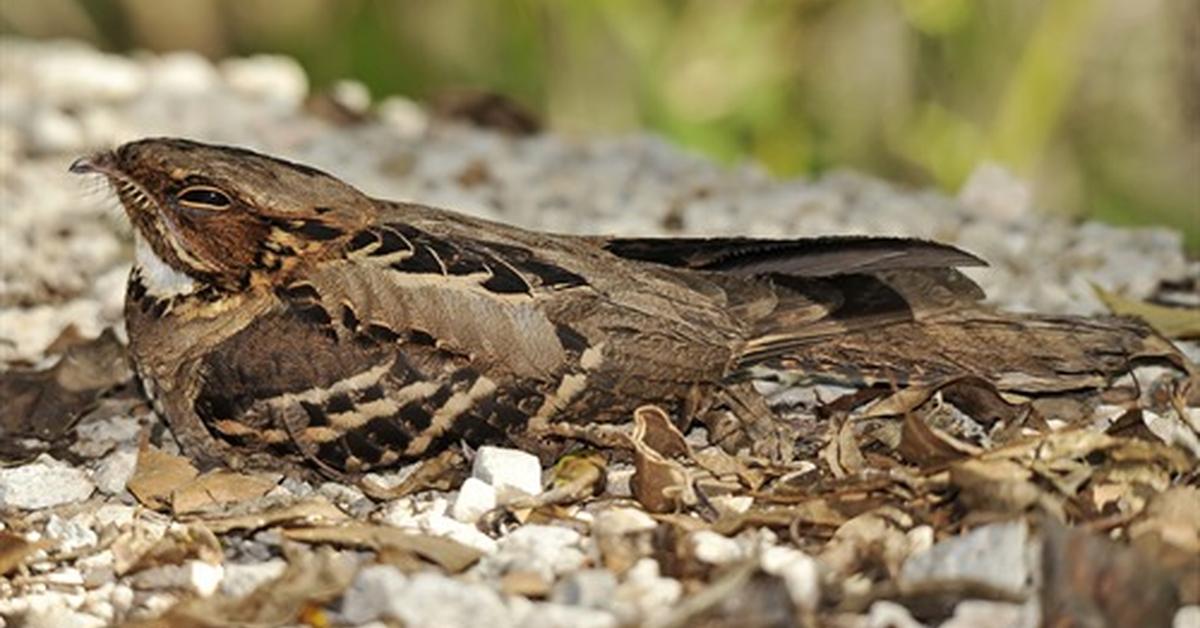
[[927, 446], [218, 488], [1168, 532], [139, 549], [158, 475], [528, 584], [659, 483], [1088, 580], [45, 404], [447, 553], [842, 454], [14, 549], [1172, 322], [443, 472], [315, 511], [1000, 487], [874, 541], [310, 581]]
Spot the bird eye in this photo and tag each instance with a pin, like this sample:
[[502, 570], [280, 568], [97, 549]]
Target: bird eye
[[203, 197]]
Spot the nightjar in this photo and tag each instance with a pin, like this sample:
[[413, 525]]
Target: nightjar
[[279, 317]]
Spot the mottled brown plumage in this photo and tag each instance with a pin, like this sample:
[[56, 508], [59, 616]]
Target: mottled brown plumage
[[279, 316]]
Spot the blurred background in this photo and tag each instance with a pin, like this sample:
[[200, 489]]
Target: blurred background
[[1096, 103]]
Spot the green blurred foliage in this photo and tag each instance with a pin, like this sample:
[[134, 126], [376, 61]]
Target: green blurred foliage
[[1095, 102]]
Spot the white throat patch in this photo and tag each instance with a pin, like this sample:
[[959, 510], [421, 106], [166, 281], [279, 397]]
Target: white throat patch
[[160, 279]]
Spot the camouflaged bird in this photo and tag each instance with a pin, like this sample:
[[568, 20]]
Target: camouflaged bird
[[279, 317]]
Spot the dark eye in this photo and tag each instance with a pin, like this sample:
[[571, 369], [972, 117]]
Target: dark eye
[[203, 197]]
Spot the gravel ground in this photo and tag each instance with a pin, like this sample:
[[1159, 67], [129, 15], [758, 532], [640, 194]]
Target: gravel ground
[[65, 252]]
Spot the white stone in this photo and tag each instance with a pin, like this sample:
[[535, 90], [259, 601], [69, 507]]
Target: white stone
[[591, 588], [115, 470], [204, 577], [64, 577], [997, 555], [59, 617], [272, 78], [715, 549], [474, 498], [622, 521], [550, 615], [548, 551], [184, 73], [994, 191], [885, 614], [241, 579], [800, 572], [82, 75], [423, 600], [352, 95], [989, 614], [197, 576], [1187, 617], [645, 594], [42, 484], [118, 515], [72, 534], [369, 597], [51, 131], [403, 115], [429, 518], [511, 472]]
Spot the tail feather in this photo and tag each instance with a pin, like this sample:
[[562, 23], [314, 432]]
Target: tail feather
[[1018, 353]]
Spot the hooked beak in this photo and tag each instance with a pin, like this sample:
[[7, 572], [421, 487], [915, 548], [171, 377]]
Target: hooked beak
[[98, 163]]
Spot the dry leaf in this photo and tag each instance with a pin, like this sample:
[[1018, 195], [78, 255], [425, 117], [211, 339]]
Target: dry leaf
[[1172, 322], [926, 446], [309, 512], [1090, 581], [141, 549], [870, 540], [658, 483], [841, 453], [218, 488], [443, 472], [311, 580], [448, 553], [655, 429], [158, 475], [14, 549], [528, 584], [45, 404], [999, 486]]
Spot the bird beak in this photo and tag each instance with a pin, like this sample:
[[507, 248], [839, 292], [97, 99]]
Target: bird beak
[[99, 163]]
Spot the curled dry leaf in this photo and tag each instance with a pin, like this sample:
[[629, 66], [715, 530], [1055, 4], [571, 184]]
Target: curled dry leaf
[[659, 483], [927, 446], [842, 453]]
